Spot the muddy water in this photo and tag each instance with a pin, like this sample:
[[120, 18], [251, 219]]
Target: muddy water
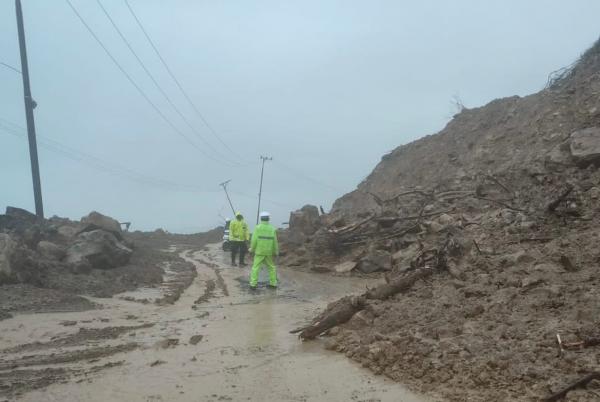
[[246, 351]]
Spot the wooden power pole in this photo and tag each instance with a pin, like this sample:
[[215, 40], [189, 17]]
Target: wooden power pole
[[262, 172], [29, 106]]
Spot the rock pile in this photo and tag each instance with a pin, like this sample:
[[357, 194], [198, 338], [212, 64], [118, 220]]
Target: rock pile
[[30, 248]]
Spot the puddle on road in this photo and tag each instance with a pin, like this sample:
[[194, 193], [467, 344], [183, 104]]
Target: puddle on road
[[246, 352]]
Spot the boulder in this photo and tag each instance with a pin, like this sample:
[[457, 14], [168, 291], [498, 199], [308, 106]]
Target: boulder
[[558, 156], [404, 257], [18, 264], [7, 248], [17, 219], [376, 260], [306, 220], [101, 249], [345, 266], [50, 250], [324, 246], [292, 238], [585, 146], [445, 220], [21, 214], [67, 231], [102, 222]]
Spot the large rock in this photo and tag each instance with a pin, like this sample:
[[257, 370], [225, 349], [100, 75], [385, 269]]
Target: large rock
[[68, 231], [7, 248], [344, 267], [16, 219], [21, 214], [376, 260], [324, 247], [585, 146], [102, 221], [99, 248], [306, 220], [50, 250], [17, 263], [403, 258]]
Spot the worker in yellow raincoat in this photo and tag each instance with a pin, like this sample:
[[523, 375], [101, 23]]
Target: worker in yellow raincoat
[[265, 247], [238, 236]]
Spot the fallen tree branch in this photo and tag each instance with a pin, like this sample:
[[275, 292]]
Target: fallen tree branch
[[390, 236], [419, 192], [350, 228], [577, 384], [413, 217], [343, 310], [505, 205], [400, 285], [492, 178], [586, 343], [453, 193]]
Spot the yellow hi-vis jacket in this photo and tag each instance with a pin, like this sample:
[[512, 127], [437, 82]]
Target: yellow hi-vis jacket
[[238, 231]]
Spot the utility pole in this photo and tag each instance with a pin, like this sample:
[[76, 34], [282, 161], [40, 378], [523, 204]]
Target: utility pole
[[224, 185], [262, 172], [29, 106]]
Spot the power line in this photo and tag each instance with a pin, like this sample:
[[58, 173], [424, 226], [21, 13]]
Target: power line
[[187, 97], [246, 195], [137, 87], [306, 177], [115, 169], [153, 79], [98, 163], [11, 67]]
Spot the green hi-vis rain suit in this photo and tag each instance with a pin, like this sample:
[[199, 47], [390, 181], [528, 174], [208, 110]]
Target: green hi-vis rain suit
[[265, 246]]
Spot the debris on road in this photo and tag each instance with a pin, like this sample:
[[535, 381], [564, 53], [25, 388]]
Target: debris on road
[[486, 235]]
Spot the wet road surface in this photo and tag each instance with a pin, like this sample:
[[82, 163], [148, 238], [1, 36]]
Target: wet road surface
[[218, 342]]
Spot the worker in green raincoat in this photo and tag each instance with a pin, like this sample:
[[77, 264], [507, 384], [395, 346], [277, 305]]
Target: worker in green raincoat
[[265, 247]]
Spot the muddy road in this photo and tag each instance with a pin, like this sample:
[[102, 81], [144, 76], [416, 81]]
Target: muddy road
[[217, 342]]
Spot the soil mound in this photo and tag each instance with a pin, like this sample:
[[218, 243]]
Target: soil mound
[[487, 234]]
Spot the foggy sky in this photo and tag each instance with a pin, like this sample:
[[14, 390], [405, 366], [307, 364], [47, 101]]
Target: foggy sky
[[324, 87]]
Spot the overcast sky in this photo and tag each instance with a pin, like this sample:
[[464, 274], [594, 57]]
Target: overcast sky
[[324, 87]]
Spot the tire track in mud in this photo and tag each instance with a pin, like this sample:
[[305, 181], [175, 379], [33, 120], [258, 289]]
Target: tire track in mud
[[21, 371], [83, 336], [17, 382], [211, 284], [67, 357], [184, 274]]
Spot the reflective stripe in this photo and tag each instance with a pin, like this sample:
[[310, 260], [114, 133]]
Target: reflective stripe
[[266, 237]]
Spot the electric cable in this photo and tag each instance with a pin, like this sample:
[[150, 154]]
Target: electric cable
[[306, 177], [98, 163], [137, 87], [11, 67], [183, 91], [155, 82]]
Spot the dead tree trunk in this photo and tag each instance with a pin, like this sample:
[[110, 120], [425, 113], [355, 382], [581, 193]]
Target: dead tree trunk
[[399, 285], [577, 384], [344, 309]]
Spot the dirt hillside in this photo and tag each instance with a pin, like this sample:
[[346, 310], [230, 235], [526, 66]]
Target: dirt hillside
[[523, 135], [487, 236]]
